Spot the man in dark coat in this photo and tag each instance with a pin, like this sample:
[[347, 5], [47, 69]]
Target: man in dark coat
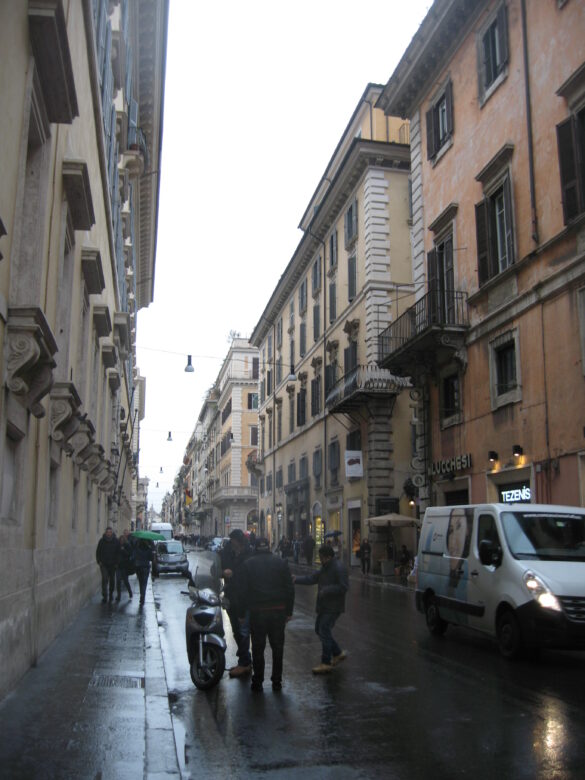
[[332, 584], [232, 557], [308, 549], [267, 592], [106, 555]]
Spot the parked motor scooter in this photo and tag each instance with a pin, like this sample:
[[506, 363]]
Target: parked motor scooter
[[204, 633]]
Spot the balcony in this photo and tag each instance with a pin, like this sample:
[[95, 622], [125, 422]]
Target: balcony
[[427, 335], [232, 493], [361, 385]]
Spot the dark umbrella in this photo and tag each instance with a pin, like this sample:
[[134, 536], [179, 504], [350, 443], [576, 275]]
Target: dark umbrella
[[332, 533], [152, 535]]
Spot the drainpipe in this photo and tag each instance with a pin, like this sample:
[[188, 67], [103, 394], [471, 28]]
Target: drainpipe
[[529, 125]]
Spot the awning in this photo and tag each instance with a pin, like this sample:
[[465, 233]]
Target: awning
[[395, 520]]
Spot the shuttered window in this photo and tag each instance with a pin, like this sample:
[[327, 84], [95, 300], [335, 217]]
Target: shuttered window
[[494, 232], [440, 121], [571, 146]]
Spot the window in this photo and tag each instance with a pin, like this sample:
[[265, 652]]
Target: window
[[332, 302], [440, 274], [291, 412], [330, 377], [334, 461], [268, 382], [269, 347], [279, 333], [269, 483], [270, 437], [493, 53], [350, 358], [252, 400], [505, 387], [571, 146], [495, 232], [351, 278], [227, 410], [279, 424], [303, 339], [291, 314], [316, 276], [315, 396], [440, 121], [278, 481], [292, 352], [278, 379], [301, 407], [316, 321], [292, 472], [254, 435], [450, 399], [354, 440], [351, 224], [317, 467], [303, 297], [255, 368], [333, 250], [303, 467], [581, 310]]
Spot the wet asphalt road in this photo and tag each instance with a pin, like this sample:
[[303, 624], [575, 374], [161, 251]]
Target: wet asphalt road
[[403, 705]]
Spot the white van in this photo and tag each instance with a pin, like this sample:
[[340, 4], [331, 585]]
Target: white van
[[513, 571], [166, 529]]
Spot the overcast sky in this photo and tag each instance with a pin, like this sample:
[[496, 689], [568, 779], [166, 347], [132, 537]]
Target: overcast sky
[[257, 96]]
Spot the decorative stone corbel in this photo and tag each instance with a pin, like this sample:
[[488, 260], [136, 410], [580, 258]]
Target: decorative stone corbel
[[80, 442], [303, 376], [316, 364], [30, 363], [351, 328], [64, 417], [332, 346]]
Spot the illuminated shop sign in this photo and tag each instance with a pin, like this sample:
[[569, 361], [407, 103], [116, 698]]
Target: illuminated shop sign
[[449, 465], [515, 494]]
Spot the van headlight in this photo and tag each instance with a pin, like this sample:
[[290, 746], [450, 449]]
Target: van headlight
[[540, 592]]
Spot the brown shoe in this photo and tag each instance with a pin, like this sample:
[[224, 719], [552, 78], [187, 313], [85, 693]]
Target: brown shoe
[[322, 669], [337, 659], [240, 671]]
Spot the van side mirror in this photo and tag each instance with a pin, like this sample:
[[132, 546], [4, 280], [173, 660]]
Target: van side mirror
[[490, 554]]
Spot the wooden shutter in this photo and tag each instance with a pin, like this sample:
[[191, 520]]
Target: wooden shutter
[[433, 299], [449, 104], [502, 32], [571, 190], [332, 302], [316, 321], [482, 237], [509, 221], [351, 278], [303, 339], [430, 134], [132, 122]]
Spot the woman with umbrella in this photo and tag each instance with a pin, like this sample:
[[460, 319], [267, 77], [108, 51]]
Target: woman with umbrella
[[143, 552]]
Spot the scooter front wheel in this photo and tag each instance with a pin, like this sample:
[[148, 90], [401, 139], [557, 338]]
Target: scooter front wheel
[[207, 674]]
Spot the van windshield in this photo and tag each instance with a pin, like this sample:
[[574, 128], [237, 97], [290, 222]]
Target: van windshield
[[544, 536]]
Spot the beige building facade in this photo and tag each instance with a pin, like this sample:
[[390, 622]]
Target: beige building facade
[[495, 343], [335, 429], [81, 87]]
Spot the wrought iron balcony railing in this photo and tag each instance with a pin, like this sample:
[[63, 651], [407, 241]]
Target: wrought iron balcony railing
[[437, 310], [364, 380]]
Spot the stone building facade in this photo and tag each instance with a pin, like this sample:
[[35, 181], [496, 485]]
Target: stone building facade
[[81, 85]]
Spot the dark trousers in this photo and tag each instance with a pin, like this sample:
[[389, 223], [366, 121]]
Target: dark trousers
[[108, 572], [323, 627], [241, 632], [142, 573], [122, 579], [365, 565], [267, 623]]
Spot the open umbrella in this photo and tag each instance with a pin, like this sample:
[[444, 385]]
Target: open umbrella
[[332, 533], [152, 535]]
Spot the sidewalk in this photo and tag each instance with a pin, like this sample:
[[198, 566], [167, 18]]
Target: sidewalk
[[96, 705]]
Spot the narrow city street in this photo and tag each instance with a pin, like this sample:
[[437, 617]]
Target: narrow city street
[[403, 705]]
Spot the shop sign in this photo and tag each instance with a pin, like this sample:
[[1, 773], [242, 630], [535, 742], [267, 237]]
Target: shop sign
[[515, 494], [449, 465]]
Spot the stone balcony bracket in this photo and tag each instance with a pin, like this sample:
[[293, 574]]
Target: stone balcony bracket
[[30, 363], [64, 417]]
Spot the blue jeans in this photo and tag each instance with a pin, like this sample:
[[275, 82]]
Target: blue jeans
[[323, 627]]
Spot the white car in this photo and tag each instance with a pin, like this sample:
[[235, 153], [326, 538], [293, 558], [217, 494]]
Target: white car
[[217, 543]]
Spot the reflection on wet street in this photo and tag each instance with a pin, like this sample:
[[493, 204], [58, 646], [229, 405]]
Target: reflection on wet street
[[403, 705]]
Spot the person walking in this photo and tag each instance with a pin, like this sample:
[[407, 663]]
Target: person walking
[[232, 557], [309, 549], [365, 556], [125, 565], [267, 593], [332, 584], [143, 552], [106, 555], [296, 549]]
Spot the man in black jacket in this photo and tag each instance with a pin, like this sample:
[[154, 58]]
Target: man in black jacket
[[332, 584], [106, 556], [266, 589], [233, 555]]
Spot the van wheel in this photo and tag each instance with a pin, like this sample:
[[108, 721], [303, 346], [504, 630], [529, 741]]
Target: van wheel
[[435, 623], [509, 635]]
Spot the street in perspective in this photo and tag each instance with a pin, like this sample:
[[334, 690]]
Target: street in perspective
[[404, 704]]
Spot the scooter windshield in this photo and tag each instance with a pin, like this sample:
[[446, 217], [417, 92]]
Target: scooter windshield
[[208, 571]]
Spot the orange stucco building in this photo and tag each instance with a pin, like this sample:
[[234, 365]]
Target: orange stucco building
[[495, 343]]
